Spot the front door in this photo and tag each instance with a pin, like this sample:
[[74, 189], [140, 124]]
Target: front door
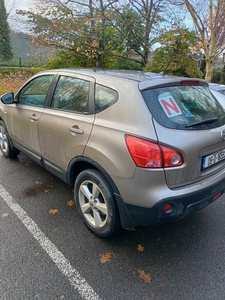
[[24, 117]]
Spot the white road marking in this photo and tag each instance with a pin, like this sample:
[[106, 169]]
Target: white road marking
[[75, 279]]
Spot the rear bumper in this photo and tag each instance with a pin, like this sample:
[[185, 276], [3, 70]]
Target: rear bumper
[[182, 206]]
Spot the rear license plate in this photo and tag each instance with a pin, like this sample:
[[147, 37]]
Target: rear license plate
[[212, 159]]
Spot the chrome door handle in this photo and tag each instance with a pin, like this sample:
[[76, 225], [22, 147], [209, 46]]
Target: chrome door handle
[[33, 118], [76, 130]]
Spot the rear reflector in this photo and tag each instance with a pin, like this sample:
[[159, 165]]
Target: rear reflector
[[167, 208], [217, 196]]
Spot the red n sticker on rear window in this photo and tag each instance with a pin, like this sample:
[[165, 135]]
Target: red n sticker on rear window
[[169, 105]]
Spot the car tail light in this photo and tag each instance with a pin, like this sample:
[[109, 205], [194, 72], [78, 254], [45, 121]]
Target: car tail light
[[147, 154], [171, 158]]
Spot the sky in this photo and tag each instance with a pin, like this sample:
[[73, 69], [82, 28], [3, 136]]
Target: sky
[[13, 18], [12, 5]]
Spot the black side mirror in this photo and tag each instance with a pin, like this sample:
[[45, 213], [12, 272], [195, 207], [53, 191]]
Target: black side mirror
[[8, 98]]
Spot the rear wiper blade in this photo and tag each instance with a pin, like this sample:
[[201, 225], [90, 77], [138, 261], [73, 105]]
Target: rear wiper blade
[[203, 122]]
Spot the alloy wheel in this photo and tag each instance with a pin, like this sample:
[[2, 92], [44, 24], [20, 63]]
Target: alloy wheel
[[93, 204], [4, 144]]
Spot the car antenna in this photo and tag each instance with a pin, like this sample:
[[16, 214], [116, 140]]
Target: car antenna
[[164, 71]]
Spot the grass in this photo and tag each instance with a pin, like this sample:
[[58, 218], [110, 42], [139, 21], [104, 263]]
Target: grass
[[13, 80], [9, 85]]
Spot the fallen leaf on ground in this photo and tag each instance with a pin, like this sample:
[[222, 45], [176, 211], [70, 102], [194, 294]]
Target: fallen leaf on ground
[[106, 257], [38, 182], [53, 211], [70, 203], [140, 248], [5, 215], [163, 284], [131, 229], [46, 191], [145, 276], [50, 186]]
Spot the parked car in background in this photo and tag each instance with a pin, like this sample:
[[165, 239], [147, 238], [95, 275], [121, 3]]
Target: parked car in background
[[218, 91], [217, 87], [138, 148]]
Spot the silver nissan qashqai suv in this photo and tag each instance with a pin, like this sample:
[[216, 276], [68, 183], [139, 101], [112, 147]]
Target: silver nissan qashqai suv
[[138, 148]]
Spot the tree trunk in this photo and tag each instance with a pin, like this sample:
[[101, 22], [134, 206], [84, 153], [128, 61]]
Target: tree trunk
[[209, 70], [101, 38]]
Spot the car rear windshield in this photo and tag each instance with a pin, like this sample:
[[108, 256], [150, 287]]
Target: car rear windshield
[[186, 107]]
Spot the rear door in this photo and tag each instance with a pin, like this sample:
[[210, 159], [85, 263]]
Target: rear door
[[65, 126]]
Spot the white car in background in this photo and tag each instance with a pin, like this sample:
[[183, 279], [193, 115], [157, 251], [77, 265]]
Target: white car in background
[[218, 91], [217, 87]]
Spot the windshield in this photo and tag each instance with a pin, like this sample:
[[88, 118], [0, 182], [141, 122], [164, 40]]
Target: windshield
[[184, 107]]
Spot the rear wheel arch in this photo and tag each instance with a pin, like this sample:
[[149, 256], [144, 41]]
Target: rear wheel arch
[[79, 164], [80, 167]]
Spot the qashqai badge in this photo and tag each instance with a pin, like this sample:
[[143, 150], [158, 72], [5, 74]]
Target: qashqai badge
[[223, 134]]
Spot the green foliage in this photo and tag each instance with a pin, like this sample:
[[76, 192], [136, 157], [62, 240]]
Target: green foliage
[[35, 70], [177, 54], [70, 59], [218, 75], [84, 40], [126, 64], [130, 28], [5, 45], [93, 33]]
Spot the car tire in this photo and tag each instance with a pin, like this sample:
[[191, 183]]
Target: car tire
[[5, 144], [95, 202]]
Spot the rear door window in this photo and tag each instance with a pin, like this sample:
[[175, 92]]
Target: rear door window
[[184, 107], [71, 94], [104, 97]]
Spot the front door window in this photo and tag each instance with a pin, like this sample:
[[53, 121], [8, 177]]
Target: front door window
[[35, 92]]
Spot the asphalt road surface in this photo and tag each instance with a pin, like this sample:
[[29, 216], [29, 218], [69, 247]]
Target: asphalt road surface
[[47, 252]]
